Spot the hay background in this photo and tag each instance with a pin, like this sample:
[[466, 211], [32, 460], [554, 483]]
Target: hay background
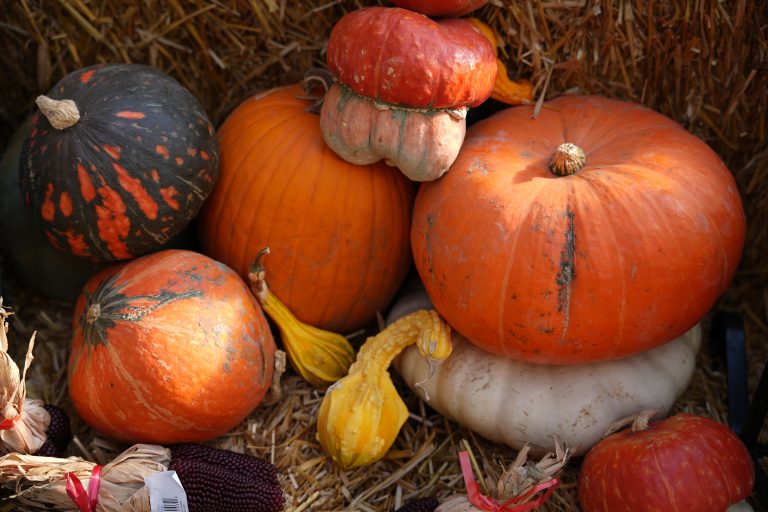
[[704, 63]]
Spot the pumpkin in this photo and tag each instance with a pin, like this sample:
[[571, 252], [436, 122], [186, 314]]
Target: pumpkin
[[119, 159], [166, 348], [596, 230], [341, 231], [682, 463], [27, 253], [405, 83], [517, 403], [453, 8]]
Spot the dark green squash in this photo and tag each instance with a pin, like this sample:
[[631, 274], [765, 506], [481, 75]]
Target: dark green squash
[[25, 251], [27, 254], [119, 159]]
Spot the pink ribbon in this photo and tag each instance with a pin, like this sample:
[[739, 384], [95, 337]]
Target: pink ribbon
[[85, 501], [9, 423], [511, 505]]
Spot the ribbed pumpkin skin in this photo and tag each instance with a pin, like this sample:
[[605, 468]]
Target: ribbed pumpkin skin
[[338, 232], [680, 464], [625, 254], [180, 350], [131, 173], [397, 56], [441, 7]]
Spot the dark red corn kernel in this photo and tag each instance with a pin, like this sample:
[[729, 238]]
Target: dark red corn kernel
[[247, 465], [58, 434], [212, 488], [422, 505]]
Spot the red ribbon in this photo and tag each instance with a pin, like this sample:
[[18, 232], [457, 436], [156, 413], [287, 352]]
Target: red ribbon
[[85, 501], [511, 505], [9, 423]]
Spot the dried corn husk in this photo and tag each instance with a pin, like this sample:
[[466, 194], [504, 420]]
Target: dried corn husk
[[524, 485], [40, 482], [25, 420]]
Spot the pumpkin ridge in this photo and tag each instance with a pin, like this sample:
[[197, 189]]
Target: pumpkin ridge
[[225, 183], [510, 249], [290, 141], [335, 275], [253, 180]]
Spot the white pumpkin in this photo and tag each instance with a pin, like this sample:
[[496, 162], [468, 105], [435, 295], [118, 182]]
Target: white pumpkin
[[515, 403]]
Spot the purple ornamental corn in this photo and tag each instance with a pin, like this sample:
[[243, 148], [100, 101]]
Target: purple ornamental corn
[[58, 434], [422, 505], [245, 464], [215, 488]]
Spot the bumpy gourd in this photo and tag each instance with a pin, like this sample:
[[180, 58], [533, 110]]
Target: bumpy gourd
[[362, 413]]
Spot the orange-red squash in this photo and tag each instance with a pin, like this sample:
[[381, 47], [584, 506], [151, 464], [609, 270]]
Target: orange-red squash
[[678, 464], [166, 348], [627, 252], [338, 232]]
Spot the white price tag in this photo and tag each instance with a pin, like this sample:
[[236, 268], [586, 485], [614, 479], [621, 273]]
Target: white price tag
[[166, 493]]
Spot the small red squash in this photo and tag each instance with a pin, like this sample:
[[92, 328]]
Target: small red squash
[[401, 57], [169, 347], [338, 232], [453, 8], [684, 463], [119, 159], [626, 250]]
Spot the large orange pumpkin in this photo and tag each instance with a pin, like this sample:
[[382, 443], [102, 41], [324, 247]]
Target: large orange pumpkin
[[167, 348], [627, 252], [338, 232]]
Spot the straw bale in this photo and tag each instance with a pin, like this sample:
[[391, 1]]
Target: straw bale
[[704, 63]]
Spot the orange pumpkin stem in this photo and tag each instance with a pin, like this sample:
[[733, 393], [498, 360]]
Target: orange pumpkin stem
[[567, 159], [62, 114]]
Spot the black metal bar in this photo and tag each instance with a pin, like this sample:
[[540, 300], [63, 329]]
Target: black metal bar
[[728, 343]]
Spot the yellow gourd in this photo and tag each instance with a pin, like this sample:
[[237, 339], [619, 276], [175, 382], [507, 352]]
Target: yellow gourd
[[362, 413], [504, 89], [320, 357]]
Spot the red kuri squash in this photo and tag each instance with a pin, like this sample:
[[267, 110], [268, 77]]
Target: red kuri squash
[[628, 249], [338, 232], [166, 348], [679, 464], [119, 159]]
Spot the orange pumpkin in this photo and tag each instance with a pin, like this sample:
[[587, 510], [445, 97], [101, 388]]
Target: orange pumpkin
[[338, 232], [627, 252], [167, 348]]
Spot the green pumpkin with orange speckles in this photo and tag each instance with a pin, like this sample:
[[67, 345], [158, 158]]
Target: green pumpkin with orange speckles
[[120, 158]]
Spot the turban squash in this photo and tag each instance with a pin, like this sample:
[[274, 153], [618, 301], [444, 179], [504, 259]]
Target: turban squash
[[338, 232], [404, 85], [169, 347], [596, 230], [119, 159]]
